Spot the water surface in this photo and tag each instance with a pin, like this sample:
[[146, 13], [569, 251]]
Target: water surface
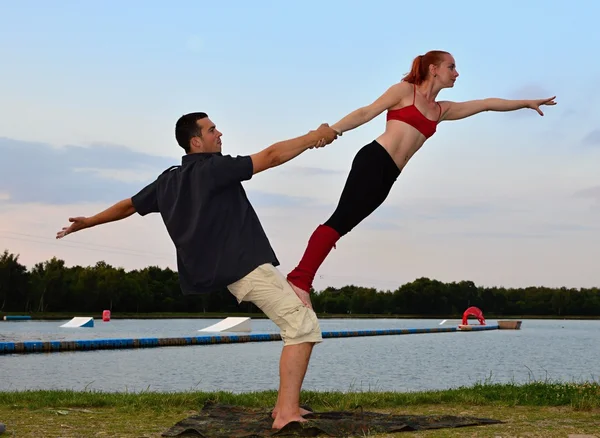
[[553, 349]]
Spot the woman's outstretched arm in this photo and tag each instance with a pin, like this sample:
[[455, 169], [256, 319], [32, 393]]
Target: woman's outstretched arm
[[365, 114], [461, 110]]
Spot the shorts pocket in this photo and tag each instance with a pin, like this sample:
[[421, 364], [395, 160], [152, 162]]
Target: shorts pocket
[[241, 288], [301, 322]]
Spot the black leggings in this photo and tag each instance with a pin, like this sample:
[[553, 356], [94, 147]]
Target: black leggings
[[371, 178]]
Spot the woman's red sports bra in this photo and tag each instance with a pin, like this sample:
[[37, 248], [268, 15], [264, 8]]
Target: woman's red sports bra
[[415, 118]]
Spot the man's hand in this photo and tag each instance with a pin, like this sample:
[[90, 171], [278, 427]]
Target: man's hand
[[79, 223], [116, 212], [303, 295], [326, 134], [535, 104]]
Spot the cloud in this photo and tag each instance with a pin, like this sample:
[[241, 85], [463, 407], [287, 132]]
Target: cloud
[[592, 139], [38, 172], [120, 174], [436, 209], [590, 192], [564, 227], [380, 225], [259, 199], [313, 171], [531, 91], [570, 113], [558, 136], [499, 235], [522, 231]]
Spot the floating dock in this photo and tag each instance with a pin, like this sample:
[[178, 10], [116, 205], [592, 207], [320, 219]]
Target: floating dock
[[129, 343], [16, 317], [509, 325]]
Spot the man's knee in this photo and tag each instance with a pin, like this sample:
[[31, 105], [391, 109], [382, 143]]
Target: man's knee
[[300, 325], [270, 292]]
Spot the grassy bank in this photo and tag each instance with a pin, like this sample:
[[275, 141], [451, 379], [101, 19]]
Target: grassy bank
[[208, 315], [534, 409]]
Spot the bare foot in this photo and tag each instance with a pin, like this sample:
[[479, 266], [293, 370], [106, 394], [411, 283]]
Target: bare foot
[[303, 295], [280, 421], [303, 412]]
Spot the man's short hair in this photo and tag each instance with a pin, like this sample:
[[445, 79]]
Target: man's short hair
[[187, 127]]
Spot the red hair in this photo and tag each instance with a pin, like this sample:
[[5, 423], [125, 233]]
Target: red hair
[[420, 66]]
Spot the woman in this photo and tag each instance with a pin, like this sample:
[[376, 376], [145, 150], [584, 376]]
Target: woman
[[412, 117]]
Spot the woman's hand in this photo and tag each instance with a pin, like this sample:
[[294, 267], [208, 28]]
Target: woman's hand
[[535, 104]]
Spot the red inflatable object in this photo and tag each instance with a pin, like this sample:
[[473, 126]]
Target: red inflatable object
[[473, 311]]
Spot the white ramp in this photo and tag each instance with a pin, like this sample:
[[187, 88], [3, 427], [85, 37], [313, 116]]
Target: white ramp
[[231, 324], [80, 321], [450, 322]]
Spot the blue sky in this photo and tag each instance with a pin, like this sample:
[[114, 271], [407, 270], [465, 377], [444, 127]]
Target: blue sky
[[91, 92]]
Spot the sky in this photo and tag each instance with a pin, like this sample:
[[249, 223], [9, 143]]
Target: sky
[[90, 93]]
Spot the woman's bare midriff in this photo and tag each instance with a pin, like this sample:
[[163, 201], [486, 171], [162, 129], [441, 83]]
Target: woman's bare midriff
[[401, 141]]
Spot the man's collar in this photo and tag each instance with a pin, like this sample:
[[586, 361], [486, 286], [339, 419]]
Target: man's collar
[[198, 156]]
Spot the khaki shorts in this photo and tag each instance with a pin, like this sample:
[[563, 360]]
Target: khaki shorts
[[268, 289]]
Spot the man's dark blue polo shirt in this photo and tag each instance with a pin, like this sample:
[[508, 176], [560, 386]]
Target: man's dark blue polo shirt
[[217, 234]]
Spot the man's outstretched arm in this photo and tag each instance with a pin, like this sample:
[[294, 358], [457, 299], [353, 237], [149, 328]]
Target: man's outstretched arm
[[283, 151], [118, 211], [228, 170]]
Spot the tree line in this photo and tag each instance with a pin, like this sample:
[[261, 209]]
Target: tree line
[[50, 286]]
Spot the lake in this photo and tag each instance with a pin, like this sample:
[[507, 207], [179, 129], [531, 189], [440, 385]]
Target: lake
[[566, 350]]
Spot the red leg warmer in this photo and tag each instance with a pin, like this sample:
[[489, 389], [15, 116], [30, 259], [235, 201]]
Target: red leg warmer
[[319, 246]]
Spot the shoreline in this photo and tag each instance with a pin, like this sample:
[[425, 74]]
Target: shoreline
[[581, 395], [40, 316], [534, 409]]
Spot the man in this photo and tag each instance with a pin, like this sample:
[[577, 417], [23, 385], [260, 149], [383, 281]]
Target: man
[[220, 241]]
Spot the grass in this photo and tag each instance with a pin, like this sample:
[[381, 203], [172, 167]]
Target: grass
[[545, 409]]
